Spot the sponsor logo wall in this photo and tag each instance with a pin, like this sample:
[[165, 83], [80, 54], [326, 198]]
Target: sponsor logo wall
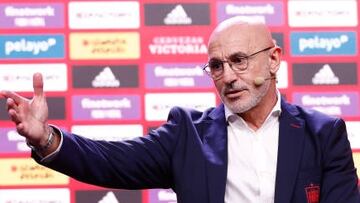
[[113, 69]]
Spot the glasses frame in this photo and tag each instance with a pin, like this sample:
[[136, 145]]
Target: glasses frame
[[246, 58]]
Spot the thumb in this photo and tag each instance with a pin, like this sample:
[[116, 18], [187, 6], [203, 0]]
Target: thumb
[[38, 85]]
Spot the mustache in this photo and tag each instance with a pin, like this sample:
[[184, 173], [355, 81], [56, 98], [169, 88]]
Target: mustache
[[233, 87]]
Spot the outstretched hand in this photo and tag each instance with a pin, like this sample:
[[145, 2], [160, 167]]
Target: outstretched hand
[[30, 116]]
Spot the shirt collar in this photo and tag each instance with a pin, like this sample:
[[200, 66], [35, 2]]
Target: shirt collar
[[276, 111]]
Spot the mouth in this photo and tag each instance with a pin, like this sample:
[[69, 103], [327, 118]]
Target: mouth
[[233, 94]]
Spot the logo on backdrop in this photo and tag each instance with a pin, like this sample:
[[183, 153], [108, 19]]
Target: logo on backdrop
[[31, 46], [167, 75], [25, 15], [95, 107], [323, 43], [177, 45], [25, 171], [45, 195], [335, 104], [177, 14], [336, 13], [18, 77], [325, 74], [269, 13], [105, 76], [104, 15], [111, 45]]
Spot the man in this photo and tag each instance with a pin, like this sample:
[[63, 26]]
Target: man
[[254, 147]]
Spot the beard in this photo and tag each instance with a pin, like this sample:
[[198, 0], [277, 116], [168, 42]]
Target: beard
[[242, 105]]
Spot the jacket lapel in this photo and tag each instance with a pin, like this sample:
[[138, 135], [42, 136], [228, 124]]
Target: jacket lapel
[[291, 136], [215, 150]]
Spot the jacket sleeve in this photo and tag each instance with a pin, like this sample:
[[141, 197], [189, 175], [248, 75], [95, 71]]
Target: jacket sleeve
[[144, 162], [339, 183]]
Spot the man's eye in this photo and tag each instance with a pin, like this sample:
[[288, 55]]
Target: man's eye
[[215, 65], [238, 59]]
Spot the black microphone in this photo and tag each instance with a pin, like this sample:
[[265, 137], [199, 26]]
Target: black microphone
[[260, 80]]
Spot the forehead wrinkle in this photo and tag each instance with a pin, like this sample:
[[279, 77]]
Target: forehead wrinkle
[[227, 43], [232, 55]]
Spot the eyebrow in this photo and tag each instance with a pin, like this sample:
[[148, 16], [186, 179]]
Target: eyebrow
[[241, 54], [236, 54]]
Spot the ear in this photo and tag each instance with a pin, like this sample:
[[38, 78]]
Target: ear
[[275, 59]]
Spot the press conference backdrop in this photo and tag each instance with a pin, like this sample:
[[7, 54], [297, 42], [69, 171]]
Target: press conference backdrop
[[113, 69]]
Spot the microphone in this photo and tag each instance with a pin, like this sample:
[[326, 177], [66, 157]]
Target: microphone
[[260, 80]]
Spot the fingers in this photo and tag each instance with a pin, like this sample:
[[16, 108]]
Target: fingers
[[10, 104], [14, 116], [12, 95], [38, 90], [13, 110], [38, 85], [27, 113], [20, 129]]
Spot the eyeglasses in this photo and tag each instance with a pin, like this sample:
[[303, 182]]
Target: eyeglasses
[[239, 64]]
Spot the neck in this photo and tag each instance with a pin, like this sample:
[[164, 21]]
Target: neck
[[256, 116]]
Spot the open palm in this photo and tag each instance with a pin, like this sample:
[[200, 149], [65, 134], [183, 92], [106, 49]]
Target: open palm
[[30, 116]]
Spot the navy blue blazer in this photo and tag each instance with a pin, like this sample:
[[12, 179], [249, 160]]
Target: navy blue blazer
[[189, 154]]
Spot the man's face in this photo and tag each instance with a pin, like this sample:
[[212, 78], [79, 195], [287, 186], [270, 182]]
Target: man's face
[[238, 91]]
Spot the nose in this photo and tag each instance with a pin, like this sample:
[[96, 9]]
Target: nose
[[229, 76]]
